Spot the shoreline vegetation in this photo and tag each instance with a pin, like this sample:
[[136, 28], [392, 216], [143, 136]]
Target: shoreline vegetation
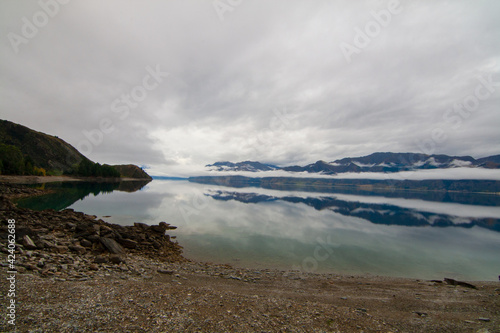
[[86, 274], [30, 179]]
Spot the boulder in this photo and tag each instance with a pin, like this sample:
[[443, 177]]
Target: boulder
[[111, 245], [162, 227], [140, 225], [28, 243], [127, 243], [116, 259], [459, 283], [86, 243]]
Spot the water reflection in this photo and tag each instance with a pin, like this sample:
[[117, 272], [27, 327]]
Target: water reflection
[[64, 194], [336, 232], [382, 213]]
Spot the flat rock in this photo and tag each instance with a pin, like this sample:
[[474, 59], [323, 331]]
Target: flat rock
[[128, 243], [164, 271], [453, 282], [28, 243], [112, 246], [78, 249], [100, 259]]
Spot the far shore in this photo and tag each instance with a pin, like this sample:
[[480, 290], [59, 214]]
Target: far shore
[[13, 179]]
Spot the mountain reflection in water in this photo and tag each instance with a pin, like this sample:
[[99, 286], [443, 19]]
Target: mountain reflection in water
[[376, 213]]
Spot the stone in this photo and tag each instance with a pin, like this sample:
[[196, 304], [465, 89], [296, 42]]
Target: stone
[[46, 244], [162, 227], [28, 243], [141, 225], [167, 226], [105, 228], [100, 260], [70, 225], [41, 263], [112, 246], [127, 243], [459, 283], [164, 271], [93, 238], [86, 243], [61, 248], [77, 248], [116, 259], [421, 314]]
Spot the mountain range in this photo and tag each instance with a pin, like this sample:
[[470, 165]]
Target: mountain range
[[376, 162]]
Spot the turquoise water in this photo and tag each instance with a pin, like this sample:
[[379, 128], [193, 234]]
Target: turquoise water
[[310, 231]]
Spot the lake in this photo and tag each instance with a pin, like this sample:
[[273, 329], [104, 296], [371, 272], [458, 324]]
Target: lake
[[391, 234]]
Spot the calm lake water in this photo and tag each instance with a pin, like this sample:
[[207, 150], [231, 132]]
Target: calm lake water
[[354, 233]]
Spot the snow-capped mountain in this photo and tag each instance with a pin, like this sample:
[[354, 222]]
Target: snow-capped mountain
[[377, 162], [241, 166]]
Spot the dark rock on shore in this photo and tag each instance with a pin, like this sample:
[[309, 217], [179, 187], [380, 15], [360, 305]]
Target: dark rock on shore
[[72, 245], [459, 283]]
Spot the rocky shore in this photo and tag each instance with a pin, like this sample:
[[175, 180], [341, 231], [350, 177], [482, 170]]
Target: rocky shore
[[77, 273]]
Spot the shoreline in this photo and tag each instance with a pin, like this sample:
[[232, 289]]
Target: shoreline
[[148, 286], [12, 179]]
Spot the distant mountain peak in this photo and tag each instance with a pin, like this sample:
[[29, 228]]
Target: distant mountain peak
[[377, 162], [241, 166]]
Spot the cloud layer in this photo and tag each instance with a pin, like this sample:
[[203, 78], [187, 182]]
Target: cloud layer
[[253, 80]]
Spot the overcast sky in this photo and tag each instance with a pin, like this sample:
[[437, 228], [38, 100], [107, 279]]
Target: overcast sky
[[175, 85]]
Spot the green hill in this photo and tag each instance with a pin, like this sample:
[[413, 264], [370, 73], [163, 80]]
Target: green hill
[[132, 171], [24, 151]]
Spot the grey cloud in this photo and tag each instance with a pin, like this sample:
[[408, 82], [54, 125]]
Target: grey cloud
[[227, 78]]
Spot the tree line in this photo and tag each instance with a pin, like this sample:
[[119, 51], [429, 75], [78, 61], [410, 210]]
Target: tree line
[[87, 168], [13, 162]]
